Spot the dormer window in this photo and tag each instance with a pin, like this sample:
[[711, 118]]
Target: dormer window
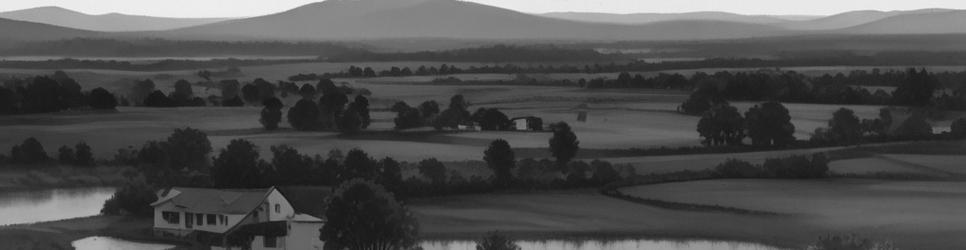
[[278, 208]]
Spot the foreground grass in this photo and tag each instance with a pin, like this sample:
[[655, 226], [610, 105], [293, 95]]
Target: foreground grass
[[914, 214], [586, 213]]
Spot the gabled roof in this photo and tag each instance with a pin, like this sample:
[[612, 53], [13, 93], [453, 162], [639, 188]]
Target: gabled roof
[[307, 200], [215, 201]]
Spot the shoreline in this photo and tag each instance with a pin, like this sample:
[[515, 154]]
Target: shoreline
[[62, 233]]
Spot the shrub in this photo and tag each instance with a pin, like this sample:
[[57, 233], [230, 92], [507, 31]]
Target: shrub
[[28, 152], [496, 241], [734, 168], [958, 128], [849, 242], [133, 199]]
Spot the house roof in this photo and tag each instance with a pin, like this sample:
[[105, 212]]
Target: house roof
[[307, 200], [216, 201]]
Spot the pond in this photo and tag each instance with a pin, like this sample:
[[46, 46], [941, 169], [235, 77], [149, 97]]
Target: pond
[[608, 245], [19, 207], [108, 243]]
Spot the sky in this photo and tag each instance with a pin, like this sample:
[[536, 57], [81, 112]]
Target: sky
[[248, 8]]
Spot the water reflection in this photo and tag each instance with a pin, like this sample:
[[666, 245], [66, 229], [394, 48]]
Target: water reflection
[[608, 245], [108, 243], [52, 204]]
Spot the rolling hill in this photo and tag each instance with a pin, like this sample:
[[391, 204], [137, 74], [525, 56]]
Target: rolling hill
[[386, 19], [944, 22], [645, 18], [108, 22], [850, 19], [20, 31]]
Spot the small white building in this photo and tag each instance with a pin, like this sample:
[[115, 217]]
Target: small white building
[[527, 123], [243, 218]]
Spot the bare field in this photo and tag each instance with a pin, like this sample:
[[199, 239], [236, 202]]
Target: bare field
[[916, 215]]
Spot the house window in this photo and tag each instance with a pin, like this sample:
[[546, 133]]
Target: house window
[[200, 219], [278, 208], [211, 219], [171, 217], [270, 242]]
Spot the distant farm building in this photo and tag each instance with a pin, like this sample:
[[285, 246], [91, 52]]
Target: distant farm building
[[527, 123], [272, 218], [581, 112]]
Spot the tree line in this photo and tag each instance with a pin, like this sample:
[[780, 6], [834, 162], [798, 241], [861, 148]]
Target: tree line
[[54, 93], [916, 88]]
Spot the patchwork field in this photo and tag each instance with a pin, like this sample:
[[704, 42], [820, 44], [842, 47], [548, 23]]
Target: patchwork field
[[916, 215]]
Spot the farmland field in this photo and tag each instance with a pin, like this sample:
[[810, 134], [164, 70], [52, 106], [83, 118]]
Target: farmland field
[[916, 215]]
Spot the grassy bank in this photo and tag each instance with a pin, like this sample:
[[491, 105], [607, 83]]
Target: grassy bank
[[40, 177], [60, 234]]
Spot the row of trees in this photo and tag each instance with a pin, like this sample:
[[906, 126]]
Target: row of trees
[[845, 128], [914, 88], [767, 124], [45, 94], [792, 167], [31, 152]]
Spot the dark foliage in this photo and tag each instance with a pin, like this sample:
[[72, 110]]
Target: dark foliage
[[496, 241], [237, 166], [100, 98], [722, 125], [491, 119], [271, 113], [500, 158], [28, 152], [363, 215], [769, 124], [132, 199], [564, 143], [304, 115]]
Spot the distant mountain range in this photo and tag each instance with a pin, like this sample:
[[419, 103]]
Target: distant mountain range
[[112, 22], [15, 31], [452, 19], [646, 18], [378, 19]]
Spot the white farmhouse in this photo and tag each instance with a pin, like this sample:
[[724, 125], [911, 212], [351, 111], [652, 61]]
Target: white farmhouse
[[272, 218]]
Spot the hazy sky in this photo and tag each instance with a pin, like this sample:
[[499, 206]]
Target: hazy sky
[[236, 8]]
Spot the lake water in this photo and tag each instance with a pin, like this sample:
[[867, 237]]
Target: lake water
[[608, 245], [108, 243], [32, 206], [58, 204]]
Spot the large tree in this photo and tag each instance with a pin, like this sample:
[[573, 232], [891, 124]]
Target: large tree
[[291, 167], [100, 98], [564, 143], [271, 113], [188, 148], [237, 166], [722, 125], [845, 127], [500, 158], [769, 124], [28, 152], [914, 128], [917, 89], [304, 115], [358, 164], [362, 215], [434, 170]]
